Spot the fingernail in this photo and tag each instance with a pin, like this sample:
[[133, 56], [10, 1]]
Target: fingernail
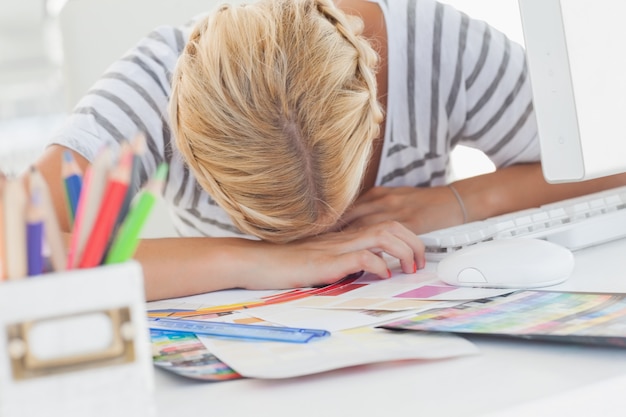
[[355, 275], [414, 267], [388, 273]]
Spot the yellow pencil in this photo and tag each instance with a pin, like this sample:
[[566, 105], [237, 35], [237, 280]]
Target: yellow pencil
[[3, 274], [14, 198], [218, 309], [53, 235]]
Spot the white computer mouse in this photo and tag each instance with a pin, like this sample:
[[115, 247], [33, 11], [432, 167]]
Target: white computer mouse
[[507, 263]]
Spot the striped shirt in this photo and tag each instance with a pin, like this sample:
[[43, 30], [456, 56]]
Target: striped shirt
[[452, 80]]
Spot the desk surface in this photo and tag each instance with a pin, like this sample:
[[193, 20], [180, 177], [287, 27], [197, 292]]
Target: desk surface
[[509, 377]]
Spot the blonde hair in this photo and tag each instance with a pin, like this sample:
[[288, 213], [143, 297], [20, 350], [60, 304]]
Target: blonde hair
[[274, 109]]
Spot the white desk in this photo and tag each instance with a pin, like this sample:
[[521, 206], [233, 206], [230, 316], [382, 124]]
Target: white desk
[[510, 378]]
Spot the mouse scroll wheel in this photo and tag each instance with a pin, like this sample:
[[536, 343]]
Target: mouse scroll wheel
[[469, 275]]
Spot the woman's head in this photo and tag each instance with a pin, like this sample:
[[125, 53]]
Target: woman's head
[[274, 110]]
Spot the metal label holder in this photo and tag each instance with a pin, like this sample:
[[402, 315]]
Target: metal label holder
[[76, 344]]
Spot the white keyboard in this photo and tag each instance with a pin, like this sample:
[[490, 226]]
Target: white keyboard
[[574, 223]]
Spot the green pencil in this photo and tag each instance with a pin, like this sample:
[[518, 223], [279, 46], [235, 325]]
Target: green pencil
[[127, 238]]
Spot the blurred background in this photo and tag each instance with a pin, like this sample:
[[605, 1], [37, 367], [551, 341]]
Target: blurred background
[[31, 84], [52, 50]]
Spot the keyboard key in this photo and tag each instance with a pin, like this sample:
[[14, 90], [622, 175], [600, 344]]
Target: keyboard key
[[575, 223]]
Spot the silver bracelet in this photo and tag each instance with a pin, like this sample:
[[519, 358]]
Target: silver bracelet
[[460, 200]]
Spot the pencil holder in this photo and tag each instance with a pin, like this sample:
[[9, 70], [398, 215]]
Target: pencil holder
[[76, 344]]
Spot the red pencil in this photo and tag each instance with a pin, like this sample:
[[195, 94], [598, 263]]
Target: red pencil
[[107, 214]]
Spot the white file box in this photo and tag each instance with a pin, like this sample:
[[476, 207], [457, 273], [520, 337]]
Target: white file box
[[76, 344]]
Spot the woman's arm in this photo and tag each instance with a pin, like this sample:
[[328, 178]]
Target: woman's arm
[[522, 186], [198, 265], [176, 267], [508, 189]]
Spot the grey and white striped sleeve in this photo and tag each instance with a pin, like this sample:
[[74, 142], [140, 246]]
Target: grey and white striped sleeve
[[491, 94], [130, 97]]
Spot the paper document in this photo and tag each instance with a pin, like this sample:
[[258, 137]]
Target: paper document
[[402, 292], [342, 349], [335, 320]]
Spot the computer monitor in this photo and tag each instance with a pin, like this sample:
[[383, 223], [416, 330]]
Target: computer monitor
[[576, 53]]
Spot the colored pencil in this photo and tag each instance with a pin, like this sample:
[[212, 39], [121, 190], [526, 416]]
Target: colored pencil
[[34, 234], [281, 297], [112, 200], [94, 184], [53, 236], [3, 274], [127, 239], [139, 147], [72, 179], [15, 228]]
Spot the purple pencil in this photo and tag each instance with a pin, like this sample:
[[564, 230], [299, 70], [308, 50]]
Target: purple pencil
[[34, 235]]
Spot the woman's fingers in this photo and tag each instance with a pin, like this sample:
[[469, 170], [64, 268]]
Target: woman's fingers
[[399, 242], [389, 237], [363, 260], [328, 257]]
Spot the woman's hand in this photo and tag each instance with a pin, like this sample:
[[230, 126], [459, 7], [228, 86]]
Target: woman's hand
[[419, 209], [329, 257]]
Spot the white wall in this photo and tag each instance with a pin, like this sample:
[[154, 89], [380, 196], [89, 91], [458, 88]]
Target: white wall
[[501, 14], [90, 45]]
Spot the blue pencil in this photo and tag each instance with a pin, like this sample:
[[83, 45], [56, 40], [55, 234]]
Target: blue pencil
[[73, 180]]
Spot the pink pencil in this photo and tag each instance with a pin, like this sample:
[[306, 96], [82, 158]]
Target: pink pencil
[[94, 183]]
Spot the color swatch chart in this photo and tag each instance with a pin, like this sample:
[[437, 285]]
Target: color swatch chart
[[184, 354], [593, 318], [403, 292]]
